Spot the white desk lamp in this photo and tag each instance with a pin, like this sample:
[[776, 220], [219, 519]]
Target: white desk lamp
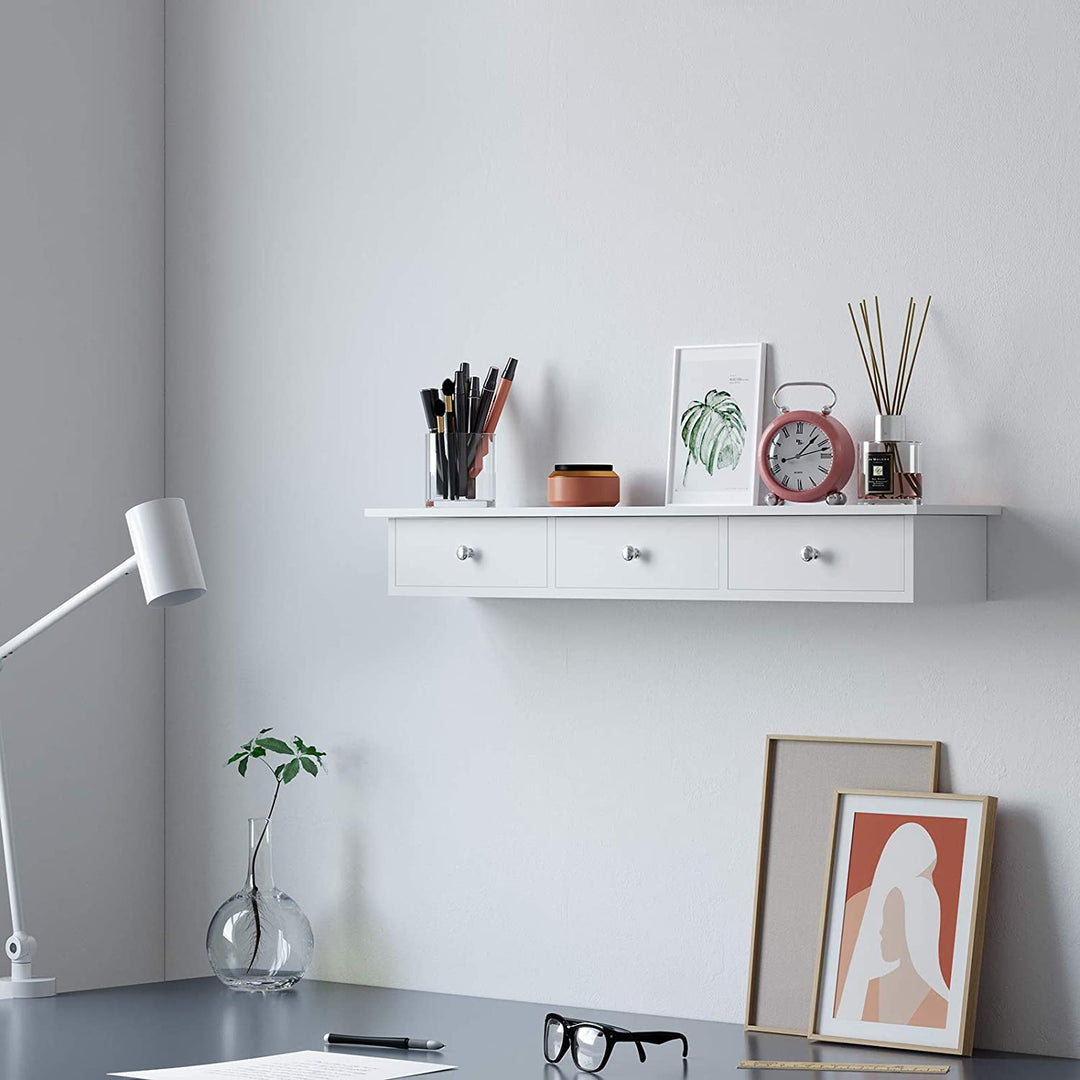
[[168, 565]]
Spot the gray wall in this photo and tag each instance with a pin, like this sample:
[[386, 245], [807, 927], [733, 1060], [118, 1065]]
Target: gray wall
[[81, 310], [559, 801]]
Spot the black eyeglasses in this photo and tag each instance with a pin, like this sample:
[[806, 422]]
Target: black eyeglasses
[[590, 1043]]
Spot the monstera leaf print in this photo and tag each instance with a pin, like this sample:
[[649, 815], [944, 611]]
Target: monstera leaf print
[[713, 432]]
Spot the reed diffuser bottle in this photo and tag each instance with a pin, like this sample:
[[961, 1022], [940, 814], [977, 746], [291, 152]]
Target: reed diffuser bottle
[[890, 466]]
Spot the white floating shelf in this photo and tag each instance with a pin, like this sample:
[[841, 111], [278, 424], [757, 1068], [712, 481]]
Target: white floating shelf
[[787, 510], [814, 552]]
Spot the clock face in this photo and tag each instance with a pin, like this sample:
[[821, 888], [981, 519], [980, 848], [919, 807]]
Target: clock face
[[800, 456]]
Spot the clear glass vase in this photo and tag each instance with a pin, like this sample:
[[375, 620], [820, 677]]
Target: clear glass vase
[[259, 939]]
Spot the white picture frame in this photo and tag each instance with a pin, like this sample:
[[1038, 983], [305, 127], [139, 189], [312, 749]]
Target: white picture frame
[[725, 473]]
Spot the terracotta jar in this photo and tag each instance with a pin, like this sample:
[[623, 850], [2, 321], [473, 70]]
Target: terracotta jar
[[583, 485]]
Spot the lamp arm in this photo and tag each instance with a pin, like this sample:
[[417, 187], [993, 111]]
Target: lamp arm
[[68, 606], [20, 946]]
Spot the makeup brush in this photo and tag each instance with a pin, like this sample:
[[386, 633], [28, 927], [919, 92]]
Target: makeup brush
[[430, 398], [429, 408], [440, 443], [451, 431]]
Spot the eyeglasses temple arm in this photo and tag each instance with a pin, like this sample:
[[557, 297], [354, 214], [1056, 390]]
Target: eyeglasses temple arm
[[657, 1037], [618, 1035]]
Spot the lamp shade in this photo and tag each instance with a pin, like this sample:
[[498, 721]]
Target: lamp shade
[[165, 551]]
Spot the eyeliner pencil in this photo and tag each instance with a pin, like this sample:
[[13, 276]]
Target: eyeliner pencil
[[474, 411], [497, 406], [461, 405], [487, 397]]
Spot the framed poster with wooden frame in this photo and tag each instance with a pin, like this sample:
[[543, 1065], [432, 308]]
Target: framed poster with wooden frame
[[903, 920], [802, 775]]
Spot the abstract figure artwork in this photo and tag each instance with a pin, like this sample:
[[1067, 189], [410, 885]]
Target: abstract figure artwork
[[904, 918]]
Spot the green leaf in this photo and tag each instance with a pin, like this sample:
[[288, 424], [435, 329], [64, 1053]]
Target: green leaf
[[298, 743], [263, 731], [243, 766], [258, 752], [714, 432], [236, 757], [290, 770], [279, 746], [278, 770], [310, 766]]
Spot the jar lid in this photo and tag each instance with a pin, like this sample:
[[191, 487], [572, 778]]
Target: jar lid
[[584, 468]]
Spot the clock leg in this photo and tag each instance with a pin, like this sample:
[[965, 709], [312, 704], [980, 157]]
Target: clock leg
[[774, 500], [837, 498]]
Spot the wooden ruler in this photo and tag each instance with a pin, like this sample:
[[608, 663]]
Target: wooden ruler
[[845, 1066]]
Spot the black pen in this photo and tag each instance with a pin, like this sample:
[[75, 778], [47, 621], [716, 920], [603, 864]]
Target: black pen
[[332, 1039]]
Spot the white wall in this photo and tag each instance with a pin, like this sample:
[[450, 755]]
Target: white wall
[[81, 309], [558, 801]]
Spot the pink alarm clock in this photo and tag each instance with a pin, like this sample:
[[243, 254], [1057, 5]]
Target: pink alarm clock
[[805, 456]]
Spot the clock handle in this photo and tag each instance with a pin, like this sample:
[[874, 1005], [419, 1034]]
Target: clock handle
[[783, 408]]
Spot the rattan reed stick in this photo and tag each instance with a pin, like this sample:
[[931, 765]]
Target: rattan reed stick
[[881, 346], [866, 363], [905, 345], [873, 355], [911, 366]]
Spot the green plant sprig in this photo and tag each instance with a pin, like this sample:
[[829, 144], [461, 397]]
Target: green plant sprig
[[299, 753]]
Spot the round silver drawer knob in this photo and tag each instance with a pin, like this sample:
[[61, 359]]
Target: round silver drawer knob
[[809, 554], [630, 553], [463, 552]]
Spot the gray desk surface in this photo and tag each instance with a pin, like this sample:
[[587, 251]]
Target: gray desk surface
[[83, 1036]]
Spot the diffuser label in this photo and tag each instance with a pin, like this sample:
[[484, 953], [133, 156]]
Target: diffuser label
[[879, 473]]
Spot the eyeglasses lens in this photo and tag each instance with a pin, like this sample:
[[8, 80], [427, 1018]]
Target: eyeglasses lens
[[554, 1034], [590, 1045]]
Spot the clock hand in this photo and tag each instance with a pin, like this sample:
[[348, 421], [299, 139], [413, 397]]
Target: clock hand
[[806, 448]]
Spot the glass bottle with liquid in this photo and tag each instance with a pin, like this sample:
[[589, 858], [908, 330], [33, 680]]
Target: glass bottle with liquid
[[890, 466]]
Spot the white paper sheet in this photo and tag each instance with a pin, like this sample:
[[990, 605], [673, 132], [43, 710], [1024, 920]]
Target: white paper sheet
[[303, 1065]]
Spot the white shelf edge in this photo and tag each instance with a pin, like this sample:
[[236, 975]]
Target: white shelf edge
[[788, 510]]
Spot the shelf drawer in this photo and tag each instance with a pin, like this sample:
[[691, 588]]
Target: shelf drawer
[[506, 554], [854, 554], [675, 553]]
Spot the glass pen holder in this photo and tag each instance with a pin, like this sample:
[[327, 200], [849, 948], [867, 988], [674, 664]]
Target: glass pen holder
[[460, 468], [890, 465]]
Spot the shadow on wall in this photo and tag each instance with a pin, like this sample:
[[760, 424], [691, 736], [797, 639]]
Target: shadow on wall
[[1029, 557], [1025, 984], [350, 945], [539, 413]]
